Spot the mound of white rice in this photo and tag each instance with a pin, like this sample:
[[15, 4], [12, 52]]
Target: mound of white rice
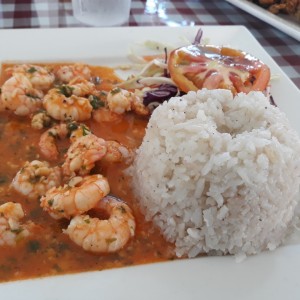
[[219, 175]]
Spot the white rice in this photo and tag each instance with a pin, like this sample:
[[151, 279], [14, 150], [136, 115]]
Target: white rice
[[219, 175]]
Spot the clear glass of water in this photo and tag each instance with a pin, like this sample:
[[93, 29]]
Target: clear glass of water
[[101, 12]]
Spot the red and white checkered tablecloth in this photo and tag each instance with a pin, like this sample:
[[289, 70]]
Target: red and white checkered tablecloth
[[54, 13]]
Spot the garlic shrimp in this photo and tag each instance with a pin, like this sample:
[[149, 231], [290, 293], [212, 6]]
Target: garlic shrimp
[[41, 120], [66, 73], [61, 104], [19, 96], [116, 152], [47, 142], [77, 130], [104, 236], [120, 101], [11, 231], [35, 178], [78, 196], [40, 77], [82, 87], [82, 154]]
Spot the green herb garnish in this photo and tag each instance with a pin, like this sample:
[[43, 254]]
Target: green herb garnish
[[53, 134], [31, 70], [32, 96], [115, 90], [96, 102], [72, 126], [85, 130], [33, 246], [50, 202], [66, 90], [17, 231]]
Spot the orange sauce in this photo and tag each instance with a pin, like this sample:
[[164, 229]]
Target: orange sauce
[[48, 251]]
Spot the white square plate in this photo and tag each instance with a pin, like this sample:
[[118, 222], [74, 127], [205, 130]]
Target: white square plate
[[270, 275], [285, 23]]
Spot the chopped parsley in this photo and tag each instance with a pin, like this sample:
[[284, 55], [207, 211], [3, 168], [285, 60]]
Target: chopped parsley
[[32, 96], [96, 102], [17, 230], [72, 126], [115, 90], [33, 246], [31, 70], [85, 130], [50, 202], [66, 90], [52, 133]]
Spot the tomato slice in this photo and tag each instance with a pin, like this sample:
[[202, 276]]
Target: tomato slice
[[196, 67]]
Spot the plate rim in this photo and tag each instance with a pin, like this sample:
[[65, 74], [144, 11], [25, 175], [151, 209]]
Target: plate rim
[[144, 272]]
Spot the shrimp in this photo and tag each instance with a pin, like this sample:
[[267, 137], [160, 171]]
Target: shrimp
[[18, 95], [83, 154], [11, 231], [103, 236], [77, 131], [41, 120], [75, 198], [47, 140], [81, 87], [119, 101], [60, 131], [117, 152], [61, 104], [35, 178], [40, 77], [66, 73]]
